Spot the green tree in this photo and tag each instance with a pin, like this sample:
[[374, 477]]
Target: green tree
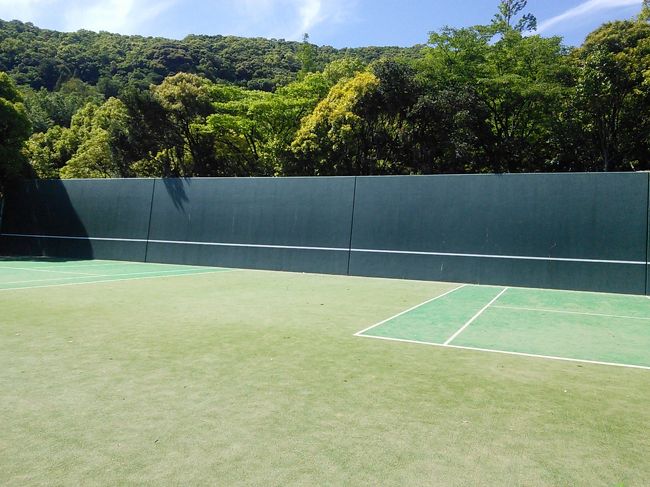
[[332, 140], [100, 133], [187, 101], [47, 152], [518, 80], [506, 18], [14, 130], [306, 56], [613, 94]]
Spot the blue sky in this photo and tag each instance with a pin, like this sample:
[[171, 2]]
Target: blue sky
[[338, 23]]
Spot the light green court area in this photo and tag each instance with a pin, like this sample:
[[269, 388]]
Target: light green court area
[[612, 329], [197, 376], [45, 272]]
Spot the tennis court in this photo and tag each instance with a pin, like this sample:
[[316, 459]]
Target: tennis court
[[141, 373], [30, 273], [605, 329]]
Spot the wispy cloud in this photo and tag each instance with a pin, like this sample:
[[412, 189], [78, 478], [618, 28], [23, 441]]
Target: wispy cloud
[[23, 9], [291, 18], [585, 10], [124, 16]]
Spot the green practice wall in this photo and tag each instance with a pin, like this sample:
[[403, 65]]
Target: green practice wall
[[99, 218], [566, 231], [292, 224], [550, 230]]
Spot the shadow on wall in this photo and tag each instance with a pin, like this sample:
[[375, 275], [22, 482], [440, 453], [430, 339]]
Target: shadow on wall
[[176, 190], [40, 220]]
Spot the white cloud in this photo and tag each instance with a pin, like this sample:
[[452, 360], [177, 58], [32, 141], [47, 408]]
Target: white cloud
[[585, 9], [124, 16], [291, 18], [22, 9]]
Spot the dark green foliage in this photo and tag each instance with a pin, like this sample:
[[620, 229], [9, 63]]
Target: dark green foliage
[[14, 129], [43, 58]]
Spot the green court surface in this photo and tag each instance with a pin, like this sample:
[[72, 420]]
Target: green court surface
[[116, 373], [562, 325], [45, 272]]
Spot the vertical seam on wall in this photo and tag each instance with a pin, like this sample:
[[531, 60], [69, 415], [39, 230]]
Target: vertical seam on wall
[[647, 233], [354, 203], [146, 245], [2, 213]]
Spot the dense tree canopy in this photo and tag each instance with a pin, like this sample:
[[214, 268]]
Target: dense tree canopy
[[487, 98], [14, 129]]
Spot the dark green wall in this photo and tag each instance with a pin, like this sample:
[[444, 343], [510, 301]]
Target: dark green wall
[[98, 208], [557, 216], [569, 231], [239, 214]]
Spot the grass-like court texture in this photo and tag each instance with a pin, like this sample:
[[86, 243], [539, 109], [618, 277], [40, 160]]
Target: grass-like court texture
[[118, 373]]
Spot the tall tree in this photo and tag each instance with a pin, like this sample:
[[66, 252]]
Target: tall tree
[[613, 94], [14, 130], [506, 18]]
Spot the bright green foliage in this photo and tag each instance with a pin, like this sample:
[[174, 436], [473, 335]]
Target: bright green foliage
[[14, 130], [256, 128], [307, 56], [47, 152], [519, 81], [98, 133], [187, 102], [612, 97], [330, 140]]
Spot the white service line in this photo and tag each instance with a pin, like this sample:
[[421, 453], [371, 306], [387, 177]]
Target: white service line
[[410, 309], [473, 319], [518, 354], [108, 281], [47, 270], [539, 310], [101, 276]]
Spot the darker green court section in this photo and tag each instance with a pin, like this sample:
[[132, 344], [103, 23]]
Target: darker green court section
[[438, 320], [561, 324], [602, 339]]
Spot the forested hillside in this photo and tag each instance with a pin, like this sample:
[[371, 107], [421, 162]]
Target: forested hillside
[[487, 98], [42, 58]]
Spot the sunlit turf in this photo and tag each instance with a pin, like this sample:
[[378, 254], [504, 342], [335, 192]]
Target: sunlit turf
[[256, 378]]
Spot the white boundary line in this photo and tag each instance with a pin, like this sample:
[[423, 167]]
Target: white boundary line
[[538, 310], [473, 318], [47, 270], [339, 249], [115, 280], [251, 246], [490, 256], [61, 237], [518, 354], [180, 242], [92, 266], [99, 276], [359, 333]]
